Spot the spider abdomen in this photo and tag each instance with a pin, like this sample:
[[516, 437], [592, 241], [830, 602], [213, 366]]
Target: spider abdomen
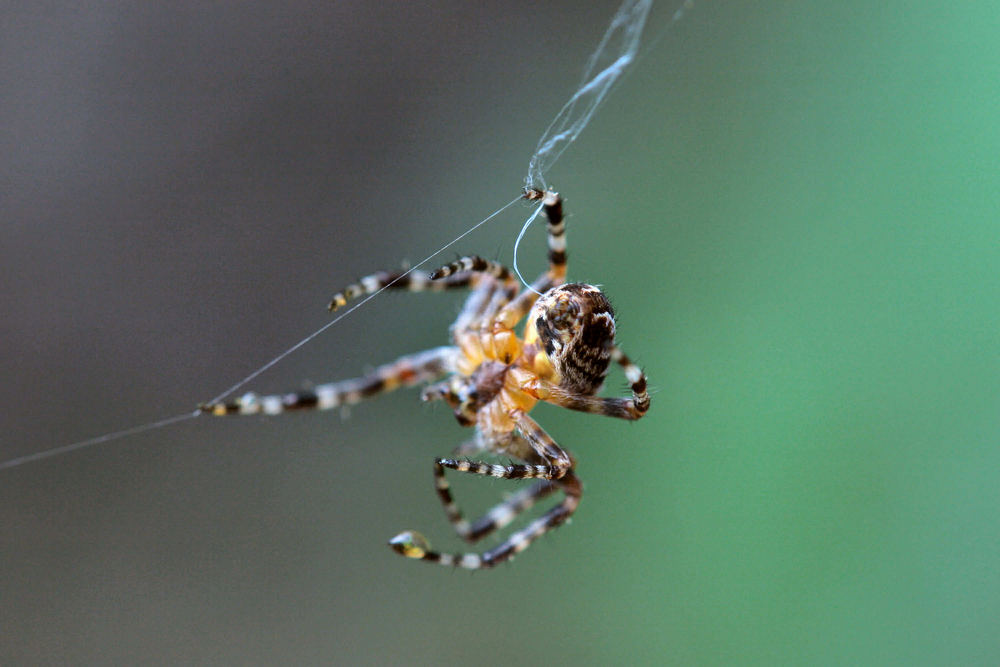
[[574, 325]]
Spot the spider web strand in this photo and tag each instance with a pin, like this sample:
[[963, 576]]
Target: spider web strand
[[524, 228], [619, 44], [89, 442], [368, 298], [142, 428]]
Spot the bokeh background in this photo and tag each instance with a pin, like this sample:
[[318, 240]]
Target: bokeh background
[[793, 206]]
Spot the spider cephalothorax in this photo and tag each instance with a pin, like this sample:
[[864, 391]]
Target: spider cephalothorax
[[494, 378]]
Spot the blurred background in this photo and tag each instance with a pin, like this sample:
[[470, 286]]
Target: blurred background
[[793, 208]]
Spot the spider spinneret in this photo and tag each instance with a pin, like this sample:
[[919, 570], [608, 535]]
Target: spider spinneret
[[492, 378]]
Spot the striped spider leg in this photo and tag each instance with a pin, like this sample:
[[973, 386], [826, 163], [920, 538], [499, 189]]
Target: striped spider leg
[[491, 378]]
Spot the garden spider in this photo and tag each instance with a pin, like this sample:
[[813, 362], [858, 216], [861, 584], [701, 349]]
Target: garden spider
[[493, 380]]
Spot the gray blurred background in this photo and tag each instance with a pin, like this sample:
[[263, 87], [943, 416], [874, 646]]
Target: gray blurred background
[[793, 208]]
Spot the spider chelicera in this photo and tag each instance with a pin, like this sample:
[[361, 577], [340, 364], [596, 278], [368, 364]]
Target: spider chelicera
[[492, 378]]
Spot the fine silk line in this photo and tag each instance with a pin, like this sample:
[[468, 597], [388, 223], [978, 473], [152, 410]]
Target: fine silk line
[[142, 428], [368, 298], [621, 38], [619, 44], [89, 442], [524, 228]]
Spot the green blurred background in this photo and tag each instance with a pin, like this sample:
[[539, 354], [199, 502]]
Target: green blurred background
[[792, 205]]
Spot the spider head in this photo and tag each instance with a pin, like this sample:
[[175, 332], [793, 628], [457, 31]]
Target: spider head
[[574, 325]]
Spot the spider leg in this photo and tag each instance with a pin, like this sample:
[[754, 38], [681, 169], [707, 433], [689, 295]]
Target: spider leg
[[414, 545], [636, 378], [622, 408], [455, 395], [486, 297], [414, 281], [441, 391], [497, 286], [542, 443], [495, 518], [512, 313], [403, 372], [556, 470], [556, 228], [474, 264]]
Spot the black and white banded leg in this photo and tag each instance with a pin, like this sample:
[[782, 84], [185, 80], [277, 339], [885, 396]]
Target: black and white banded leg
[[406, 371], [556, 274], [494, 519], [414, 545], [413, 281], [621, 408]]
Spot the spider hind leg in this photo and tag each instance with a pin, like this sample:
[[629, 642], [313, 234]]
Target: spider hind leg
[[497, 517], [414, 545]]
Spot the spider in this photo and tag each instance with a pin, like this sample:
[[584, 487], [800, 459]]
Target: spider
[[491, 379]]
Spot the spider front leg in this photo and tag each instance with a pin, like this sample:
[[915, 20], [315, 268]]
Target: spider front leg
[[495, 286], [556, 274], [406, 371], [413, 281]]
